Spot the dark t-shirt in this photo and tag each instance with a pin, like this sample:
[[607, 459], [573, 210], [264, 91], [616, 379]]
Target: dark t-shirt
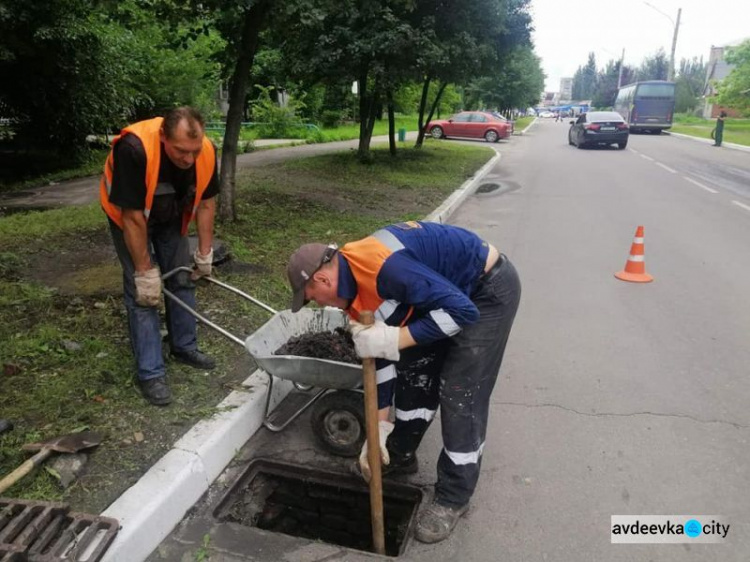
[[176, 187]]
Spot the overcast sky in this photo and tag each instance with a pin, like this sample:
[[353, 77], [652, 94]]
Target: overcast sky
[[565, 32]]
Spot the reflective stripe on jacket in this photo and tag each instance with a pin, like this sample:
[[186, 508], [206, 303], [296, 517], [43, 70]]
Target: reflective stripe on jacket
[[148, 133]]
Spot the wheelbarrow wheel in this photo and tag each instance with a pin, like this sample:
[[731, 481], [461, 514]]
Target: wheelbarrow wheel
[[338, 422]]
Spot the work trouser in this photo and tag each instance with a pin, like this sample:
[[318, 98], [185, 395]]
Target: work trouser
[[719, 133], [169, 250], [458, 374]]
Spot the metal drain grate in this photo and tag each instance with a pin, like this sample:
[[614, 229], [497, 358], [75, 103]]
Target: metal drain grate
[[47, 532]]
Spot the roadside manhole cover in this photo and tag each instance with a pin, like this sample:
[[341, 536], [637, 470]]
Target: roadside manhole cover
[[488, 187], [319, 506]]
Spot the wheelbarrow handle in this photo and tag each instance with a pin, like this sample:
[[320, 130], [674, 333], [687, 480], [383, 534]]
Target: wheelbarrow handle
[[171, 296]]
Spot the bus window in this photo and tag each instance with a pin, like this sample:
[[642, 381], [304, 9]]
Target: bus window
[[651, 91]]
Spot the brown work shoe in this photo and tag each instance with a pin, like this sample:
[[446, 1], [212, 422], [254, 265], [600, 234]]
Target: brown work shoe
[[436, 522]]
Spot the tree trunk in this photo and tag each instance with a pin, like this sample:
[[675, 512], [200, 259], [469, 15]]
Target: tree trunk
[[254, 18], [391, 123], [422, 106], [437, 101], [363, 150], [368, 110]]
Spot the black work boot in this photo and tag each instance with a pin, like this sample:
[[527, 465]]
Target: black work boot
[[436, 521], [194, 358], [156, 391]]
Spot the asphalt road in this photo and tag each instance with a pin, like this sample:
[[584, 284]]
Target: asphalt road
[[614, 398]]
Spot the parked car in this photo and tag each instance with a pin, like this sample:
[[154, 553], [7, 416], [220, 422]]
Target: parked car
[[599, 127], [503, 118], [471, 124]]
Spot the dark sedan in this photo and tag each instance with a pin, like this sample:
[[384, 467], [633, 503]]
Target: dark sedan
[[599, 127]]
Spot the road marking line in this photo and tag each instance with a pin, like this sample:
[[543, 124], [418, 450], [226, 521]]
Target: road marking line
[[746, 207], [647, 158], [691, 180], [667, 168], [633, 151]]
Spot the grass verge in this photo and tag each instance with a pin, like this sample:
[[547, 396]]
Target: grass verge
[[66, 361], [735, 130]]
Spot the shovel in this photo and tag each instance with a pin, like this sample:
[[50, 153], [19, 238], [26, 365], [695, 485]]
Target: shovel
[[71, 443], [373, 445]]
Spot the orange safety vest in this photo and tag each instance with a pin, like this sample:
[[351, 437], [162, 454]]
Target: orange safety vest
[[148, 133], [365, 258]]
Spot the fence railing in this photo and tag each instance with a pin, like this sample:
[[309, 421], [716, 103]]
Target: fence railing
[[220, 125]]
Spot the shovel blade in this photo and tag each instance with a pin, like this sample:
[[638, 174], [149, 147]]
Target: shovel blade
[[71, 443]]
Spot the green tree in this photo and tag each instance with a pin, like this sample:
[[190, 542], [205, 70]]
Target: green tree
[[469, 40], [655, 67], [588, 78], [63, 73], [577, 86], [516, 84], [689, 83], [734, 90], [606, 85]]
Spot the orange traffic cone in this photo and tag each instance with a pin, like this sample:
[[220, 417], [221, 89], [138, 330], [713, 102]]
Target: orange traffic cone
[[635, 267]]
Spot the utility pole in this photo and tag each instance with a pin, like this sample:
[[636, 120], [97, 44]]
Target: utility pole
[[674, 44], [619, 77], [670, 72]]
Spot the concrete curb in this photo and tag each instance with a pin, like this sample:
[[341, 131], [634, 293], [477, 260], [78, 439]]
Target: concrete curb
[[153, 506], [449, 206], [150, 509], [731, 145], [530, 125]]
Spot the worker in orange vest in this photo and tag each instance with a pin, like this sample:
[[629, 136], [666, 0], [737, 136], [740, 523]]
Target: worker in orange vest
[[444, 302], [160, 175]]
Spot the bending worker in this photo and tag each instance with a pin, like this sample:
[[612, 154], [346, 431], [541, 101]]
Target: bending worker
[[160, 174], [444, 302]]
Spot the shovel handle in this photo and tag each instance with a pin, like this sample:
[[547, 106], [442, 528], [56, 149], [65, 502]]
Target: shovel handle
[[24, 469], [373, 445]]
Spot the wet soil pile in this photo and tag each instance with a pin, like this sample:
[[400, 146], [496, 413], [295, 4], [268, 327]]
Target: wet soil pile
[[336, 346]]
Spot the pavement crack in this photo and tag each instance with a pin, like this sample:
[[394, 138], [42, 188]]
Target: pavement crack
[[625, 415]]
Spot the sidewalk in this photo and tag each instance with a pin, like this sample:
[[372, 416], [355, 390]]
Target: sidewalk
[[86, 190], [150, 509]]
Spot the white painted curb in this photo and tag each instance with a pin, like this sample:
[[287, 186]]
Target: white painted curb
[[150, 509], [454, 201], [153, 506], [731, 145]]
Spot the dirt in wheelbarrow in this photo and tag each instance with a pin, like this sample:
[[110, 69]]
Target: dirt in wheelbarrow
[[336, 346]]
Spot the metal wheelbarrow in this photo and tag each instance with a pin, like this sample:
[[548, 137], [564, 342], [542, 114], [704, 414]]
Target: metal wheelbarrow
[[333, 387]]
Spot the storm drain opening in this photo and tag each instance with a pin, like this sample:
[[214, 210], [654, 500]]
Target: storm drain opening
[[488, 187], [317, 505]]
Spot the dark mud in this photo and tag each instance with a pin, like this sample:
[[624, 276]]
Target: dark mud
[[336, 346]]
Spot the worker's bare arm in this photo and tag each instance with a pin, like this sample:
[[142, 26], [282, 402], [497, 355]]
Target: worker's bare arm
[[204, 218], [135, 231]]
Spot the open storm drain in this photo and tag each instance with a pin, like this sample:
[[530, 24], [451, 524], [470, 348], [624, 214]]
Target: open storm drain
[[488, 187], [316, 505]]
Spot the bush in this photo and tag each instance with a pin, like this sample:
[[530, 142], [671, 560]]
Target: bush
[[331, 118], [277, 121]]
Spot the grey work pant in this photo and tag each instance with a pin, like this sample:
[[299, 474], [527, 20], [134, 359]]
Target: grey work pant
[[458, 374]]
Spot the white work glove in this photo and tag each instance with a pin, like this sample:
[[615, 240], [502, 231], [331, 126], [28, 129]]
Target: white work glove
[[376, 340], [148, 287], [202, 264], [384, 430]]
